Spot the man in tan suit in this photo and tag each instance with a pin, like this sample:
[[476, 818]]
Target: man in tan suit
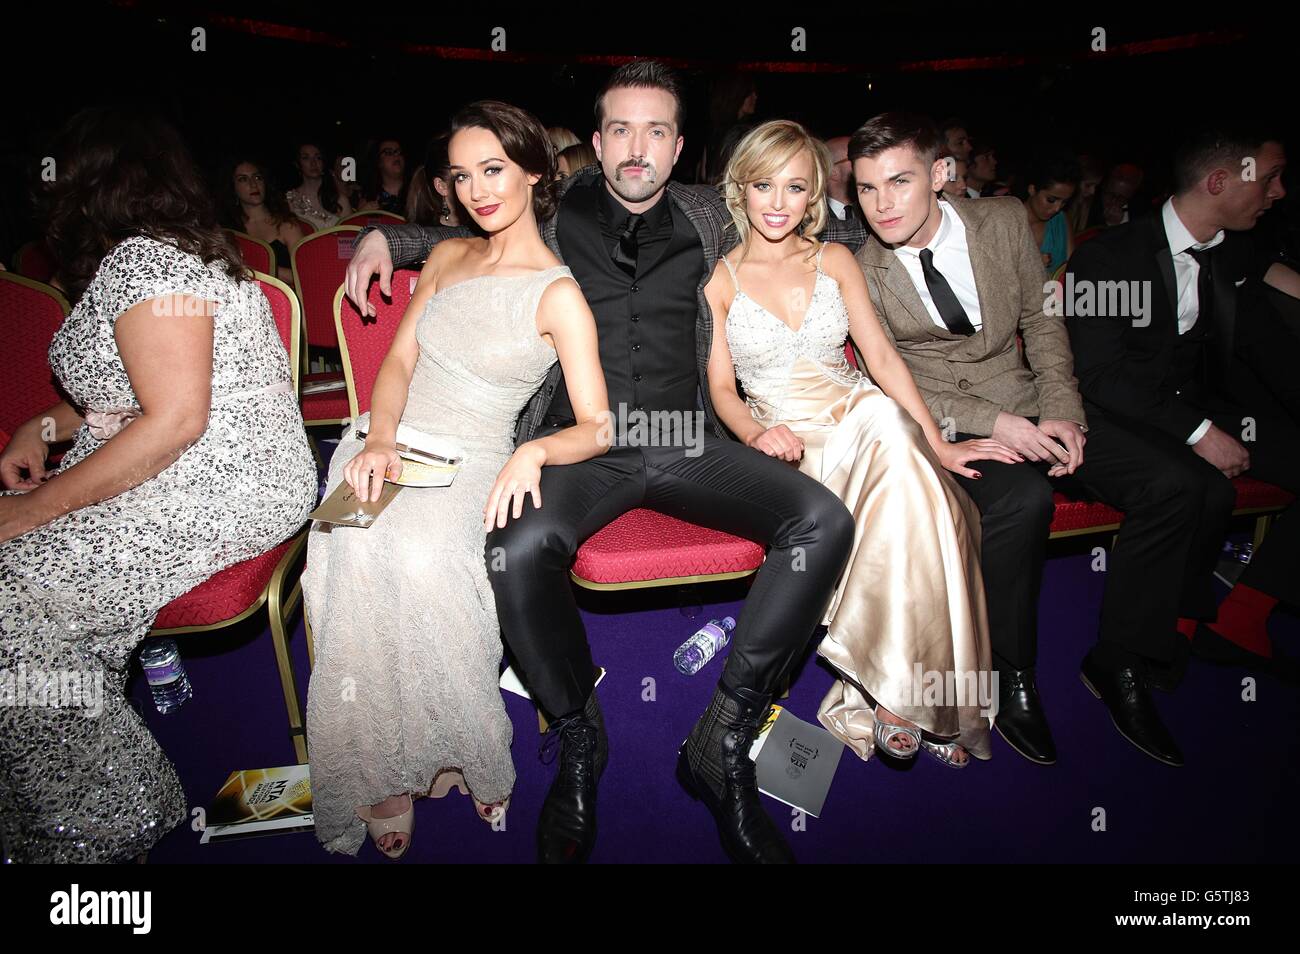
[[958, 286]]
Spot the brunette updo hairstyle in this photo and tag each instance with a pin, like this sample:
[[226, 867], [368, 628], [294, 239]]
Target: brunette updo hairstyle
[[525, 142], [120, 173]]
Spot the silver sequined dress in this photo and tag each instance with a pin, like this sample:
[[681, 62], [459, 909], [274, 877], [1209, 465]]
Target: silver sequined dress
[[89, 782]]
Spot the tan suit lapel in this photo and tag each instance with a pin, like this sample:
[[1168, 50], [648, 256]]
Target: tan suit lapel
[[912, 317], [984, 263]]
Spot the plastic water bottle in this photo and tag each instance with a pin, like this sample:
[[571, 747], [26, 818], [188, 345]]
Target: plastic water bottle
[[161, 660], [692, 655]]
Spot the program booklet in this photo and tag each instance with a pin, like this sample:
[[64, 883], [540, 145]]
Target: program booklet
[[259, 802], [796, 762]]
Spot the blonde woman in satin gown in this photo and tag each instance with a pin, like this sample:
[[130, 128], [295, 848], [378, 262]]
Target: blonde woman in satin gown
[[911, 601]]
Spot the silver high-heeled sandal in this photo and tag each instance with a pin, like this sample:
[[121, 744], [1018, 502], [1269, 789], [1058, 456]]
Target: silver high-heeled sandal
[[944, 752], [884, 731]]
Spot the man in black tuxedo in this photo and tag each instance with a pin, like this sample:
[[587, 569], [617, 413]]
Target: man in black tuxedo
[[642, 248], [1206, 370]]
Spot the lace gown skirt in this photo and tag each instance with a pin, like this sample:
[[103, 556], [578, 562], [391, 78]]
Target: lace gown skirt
[[408, 651], [908, 614]]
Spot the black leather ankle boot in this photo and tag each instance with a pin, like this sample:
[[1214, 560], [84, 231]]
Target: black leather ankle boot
[[714, 767], [566, 829]]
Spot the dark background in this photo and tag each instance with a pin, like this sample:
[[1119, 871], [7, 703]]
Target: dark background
[[275, 71]]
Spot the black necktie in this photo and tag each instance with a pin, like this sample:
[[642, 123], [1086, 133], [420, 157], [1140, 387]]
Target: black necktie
[[624, 251], [1204, 291], [950, 309]]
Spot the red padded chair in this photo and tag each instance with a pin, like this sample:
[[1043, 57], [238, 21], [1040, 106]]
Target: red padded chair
[[364, 342], [30, 314], [372, 217], [320, 263], [1254, 497], [35, 260], [307, 227], [257, 255], [269, 580]]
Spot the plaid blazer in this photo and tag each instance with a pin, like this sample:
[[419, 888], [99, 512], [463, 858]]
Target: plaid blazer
[[703, 207]]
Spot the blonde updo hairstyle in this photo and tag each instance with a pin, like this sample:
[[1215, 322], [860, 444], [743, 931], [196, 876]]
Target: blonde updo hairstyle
[[764, 152]]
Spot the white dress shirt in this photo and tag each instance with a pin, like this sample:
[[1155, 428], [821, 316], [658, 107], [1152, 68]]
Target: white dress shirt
[[1187, 272], [952, 260], [972, 193], [837, 208]]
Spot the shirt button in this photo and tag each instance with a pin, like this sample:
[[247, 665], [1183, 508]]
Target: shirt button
[[636, 377], [964, 384], [637, 346], [636, 288], [639, 407], [636, 317]]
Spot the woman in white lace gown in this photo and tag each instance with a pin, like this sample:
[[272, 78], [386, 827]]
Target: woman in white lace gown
[[404, 696], [907, 627], [188, 456]]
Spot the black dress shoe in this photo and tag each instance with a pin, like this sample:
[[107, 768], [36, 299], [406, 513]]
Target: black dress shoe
[[1124, 692], [714, 766], [1020, 719], [566, 829]]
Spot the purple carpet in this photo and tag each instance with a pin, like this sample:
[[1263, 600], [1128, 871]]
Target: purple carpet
[[1226, 805]]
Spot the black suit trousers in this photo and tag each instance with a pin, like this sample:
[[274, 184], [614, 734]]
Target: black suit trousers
[[727, 486], [1164, 506]]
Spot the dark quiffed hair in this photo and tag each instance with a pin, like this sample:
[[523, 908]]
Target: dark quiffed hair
[[121, 173], [1207, 147], [644, 74], [896, 129], [525, 141]]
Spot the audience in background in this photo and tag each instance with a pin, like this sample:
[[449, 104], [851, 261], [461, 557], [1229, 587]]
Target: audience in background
[[562, 138], [1091, 172], [251, 203], [733, 100], [981, 169], [384, 178], [839, 185], [317, 197], [1051, 184], [955, 141], [575, 157]]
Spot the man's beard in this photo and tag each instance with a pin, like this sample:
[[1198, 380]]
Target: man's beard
[[636, 188]]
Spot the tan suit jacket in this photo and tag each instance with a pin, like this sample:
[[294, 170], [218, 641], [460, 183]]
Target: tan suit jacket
[[967, 380]]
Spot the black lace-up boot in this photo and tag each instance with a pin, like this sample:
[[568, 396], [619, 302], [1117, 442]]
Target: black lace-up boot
[[566, 829], [714, 766]]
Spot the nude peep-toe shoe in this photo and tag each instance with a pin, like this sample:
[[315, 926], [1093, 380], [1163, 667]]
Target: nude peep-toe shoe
[[403, 824], [450, 778]]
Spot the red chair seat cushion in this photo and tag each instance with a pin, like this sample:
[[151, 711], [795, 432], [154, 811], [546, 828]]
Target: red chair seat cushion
[[1253, 493], [224, 595], [325, 405], [644, 545], [1081, 515]]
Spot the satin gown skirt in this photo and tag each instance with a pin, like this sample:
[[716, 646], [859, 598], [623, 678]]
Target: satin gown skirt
[[907, 624]]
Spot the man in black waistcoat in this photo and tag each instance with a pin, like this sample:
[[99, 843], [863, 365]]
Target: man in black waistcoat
[[642, 249], [1205, 372]]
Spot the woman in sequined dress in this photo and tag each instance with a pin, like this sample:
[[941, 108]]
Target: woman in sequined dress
[[188, 456]]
